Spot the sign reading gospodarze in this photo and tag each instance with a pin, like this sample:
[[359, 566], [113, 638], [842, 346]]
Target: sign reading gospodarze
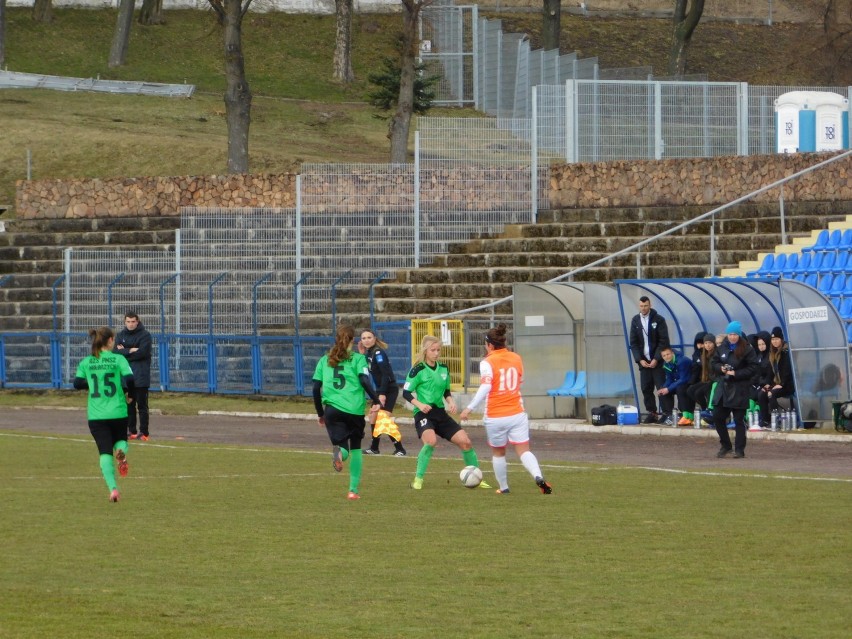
[[805, 315]]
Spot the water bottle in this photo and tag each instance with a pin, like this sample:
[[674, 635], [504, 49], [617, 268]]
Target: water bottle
[[675, 418], [774, 421], [619, 414], [785, 424], [795, 418]]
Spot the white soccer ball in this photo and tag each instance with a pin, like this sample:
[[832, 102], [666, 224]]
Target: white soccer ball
[[470, 476]]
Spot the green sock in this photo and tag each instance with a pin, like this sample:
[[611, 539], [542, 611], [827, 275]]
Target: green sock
[[688, 415], [344, 454], [355, 466], [470, 458], [423, 458], [108, 471], [122, 445]]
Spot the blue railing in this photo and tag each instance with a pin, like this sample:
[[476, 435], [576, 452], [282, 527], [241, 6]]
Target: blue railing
[[195, 363]]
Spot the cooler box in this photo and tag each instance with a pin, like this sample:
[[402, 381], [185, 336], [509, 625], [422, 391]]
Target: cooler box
[[630, 415]]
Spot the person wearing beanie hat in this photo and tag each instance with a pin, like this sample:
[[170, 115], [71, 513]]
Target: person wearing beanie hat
[[780, 381], [735, 364], [649, 334]]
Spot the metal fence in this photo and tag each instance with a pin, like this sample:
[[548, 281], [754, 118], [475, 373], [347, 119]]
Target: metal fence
[[205, 363], [600, 120], [15, 80]]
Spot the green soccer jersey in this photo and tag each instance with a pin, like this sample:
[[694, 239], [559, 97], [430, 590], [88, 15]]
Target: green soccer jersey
[[341, 387], [429, 384], [104, 376]]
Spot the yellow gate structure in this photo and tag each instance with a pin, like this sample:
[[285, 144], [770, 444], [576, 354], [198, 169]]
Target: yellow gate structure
[[451, 334]]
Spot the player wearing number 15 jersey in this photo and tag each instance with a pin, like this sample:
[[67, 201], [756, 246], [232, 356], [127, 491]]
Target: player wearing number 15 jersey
[[501, 374], [108, 378]]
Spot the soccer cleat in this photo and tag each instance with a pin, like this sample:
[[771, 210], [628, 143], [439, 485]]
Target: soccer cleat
[[543, 486], [683, 421], [121, 458], [502, 491], [133, 436], [114, 496], [400, 453], [353, 496], [370, 451], [336, 459], [143, 438], [417, 483], [484, 484]]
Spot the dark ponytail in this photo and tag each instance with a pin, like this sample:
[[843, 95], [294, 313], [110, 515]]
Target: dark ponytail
[[100, 338]]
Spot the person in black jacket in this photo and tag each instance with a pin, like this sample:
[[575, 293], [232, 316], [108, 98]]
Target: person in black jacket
[[735, 364], [381, 372], [762, 379], [780, 381], [134, 342], [649, 334]]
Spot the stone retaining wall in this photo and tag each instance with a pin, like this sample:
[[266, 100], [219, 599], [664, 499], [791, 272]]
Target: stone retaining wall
[[150, 196], [701, 181]]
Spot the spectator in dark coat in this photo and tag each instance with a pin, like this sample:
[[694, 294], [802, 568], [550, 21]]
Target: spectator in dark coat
[[700, 390], [134, 342], [649, 334], [780, 382], [735, 364], [762, 379]]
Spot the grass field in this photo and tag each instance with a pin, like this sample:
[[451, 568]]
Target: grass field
[[214, 541]]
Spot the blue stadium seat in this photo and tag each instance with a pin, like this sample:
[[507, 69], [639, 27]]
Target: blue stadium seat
[[812, 279], [816, 262], [825, 282], [847, 290], [845, 309], [821, 241], [579, 387], [838, 284], [849, 333], [846, 240], [834, 240], [799, 277], [837, 302], [804, 264], [790, 265], [827, 263], [780, 263], [567, 385], [841, 262], [765, 267]]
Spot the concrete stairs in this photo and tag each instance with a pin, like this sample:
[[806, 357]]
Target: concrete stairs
[[472, 273], [483, 270], [31, 254]]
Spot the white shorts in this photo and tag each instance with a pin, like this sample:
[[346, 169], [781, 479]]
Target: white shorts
[[514, 429]]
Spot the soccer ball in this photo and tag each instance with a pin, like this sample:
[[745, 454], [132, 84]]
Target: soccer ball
[[470, 476]]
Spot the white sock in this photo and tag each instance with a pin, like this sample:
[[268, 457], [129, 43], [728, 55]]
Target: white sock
[[531, 464], [500, 466]]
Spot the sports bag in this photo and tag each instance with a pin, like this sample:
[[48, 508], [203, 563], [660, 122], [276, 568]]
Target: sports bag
[[604, 415]]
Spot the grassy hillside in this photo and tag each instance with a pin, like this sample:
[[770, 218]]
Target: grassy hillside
[[299, 113]]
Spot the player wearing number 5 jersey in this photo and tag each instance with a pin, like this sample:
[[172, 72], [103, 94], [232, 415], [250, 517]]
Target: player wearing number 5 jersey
[[501, 374], [340, 380], [109, 380]]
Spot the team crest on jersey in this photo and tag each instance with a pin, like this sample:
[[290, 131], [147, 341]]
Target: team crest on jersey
[[443, 375]]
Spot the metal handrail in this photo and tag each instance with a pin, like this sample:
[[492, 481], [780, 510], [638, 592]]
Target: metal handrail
[[641, 243]]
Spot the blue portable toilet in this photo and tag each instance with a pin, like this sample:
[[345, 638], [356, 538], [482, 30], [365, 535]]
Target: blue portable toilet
[[811, 121]]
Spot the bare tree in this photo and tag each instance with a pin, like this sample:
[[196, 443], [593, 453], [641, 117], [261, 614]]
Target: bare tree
[[2, 32], [685, 23], [121, 37], [237, 95], [400, 122], [43, 11], [343, 42], [151, 13], [551, 24], [837, 24]]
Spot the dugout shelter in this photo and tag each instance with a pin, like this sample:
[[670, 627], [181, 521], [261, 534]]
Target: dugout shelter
[[582, 327]]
